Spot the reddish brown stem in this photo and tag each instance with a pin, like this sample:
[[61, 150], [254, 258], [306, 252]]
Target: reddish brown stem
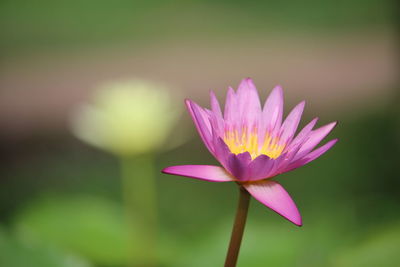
[[238, 228]]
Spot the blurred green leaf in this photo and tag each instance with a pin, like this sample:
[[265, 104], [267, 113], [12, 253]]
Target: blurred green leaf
[[268, 243], [264, 244], [14, 253], [91, 226], [381, 248], [44, 23]]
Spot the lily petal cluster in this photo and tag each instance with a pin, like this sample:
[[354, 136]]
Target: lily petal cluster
[[253, 144]]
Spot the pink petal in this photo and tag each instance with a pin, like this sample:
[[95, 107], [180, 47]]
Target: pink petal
[[303, 134], [273, 109], [221, 150], [248, 103], [217, 121], [260, 168], [311, 156], [313, 140], [319, 151], [294, 146], [230, 112], [202, 172], [280, 164], [291, 123], [275, 197], [215, 107], [202, 122], [238, 165]]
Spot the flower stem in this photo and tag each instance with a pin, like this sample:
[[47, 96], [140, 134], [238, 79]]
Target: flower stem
[[238, 228], [139, 194]]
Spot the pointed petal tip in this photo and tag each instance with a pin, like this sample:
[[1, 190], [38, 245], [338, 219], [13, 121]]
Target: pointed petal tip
[[313, 122], [295, 219], [202, 172], [299, 224], [299, 108], [165, 170], [247, 84], [330, 144], [333, 124], [188, 105], [276, 94], [291, 122], [278, 88], [333, 141], [249, 80], [213, 97], [336, 123], [323, 131], [329, 127], [187, 102], [168, 170], [191, 105]]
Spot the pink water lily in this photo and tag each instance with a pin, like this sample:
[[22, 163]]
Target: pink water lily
[[253, 144]]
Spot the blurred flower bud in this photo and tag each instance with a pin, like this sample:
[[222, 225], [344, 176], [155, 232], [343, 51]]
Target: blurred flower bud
[[126, 117]]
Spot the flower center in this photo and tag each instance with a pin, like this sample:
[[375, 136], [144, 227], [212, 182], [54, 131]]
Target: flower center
[[248, 141]]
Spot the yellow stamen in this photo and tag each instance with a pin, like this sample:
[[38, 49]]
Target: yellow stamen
[[248, 141]]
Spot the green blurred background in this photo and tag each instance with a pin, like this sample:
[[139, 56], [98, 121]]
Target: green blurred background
[[60, 200]]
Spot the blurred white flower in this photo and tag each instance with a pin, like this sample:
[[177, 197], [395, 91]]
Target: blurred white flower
[[127, 117]]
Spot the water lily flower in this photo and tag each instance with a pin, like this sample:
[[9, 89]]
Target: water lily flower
[[253, 145]]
